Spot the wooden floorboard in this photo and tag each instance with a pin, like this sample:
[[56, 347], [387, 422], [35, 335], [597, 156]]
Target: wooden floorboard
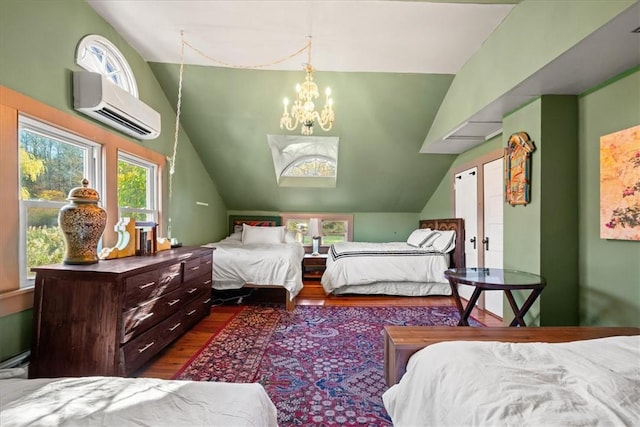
[[176, 355]]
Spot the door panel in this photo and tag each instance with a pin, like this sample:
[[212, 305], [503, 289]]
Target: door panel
[[466, 205], [493, 228]]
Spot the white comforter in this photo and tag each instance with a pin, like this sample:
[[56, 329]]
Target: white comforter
[[235, 264], [593, 382], [363, 263], [103, 401]]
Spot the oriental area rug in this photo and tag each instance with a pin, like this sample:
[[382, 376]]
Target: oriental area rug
[[319, 365]]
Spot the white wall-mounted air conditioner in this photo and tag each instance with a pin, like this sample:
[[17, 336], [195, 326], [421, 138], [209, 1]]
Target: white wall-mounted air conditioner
[[97, 97]]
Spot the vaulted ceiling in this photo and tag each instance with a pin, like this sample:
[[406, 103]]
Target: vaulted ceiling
[[389, 65]]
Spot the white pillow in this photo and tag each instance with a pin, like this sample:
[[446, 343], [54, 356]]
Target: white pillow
[[289, 237], [236, 236], [252, 234], [419, 236], [445, 242]]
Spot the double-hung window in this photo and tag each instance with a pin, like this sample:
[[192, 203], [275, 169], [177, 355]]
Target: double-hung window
[[137, 188], [333, 228], [51, 162]]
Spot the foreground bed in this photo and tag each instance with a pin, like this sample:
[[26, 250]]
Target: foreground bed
[[112, 401], [412, 268], [499, 380]]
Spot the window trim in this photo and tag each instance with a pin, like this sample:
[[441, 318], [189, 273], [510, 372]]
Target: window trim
[[111, 50], [152, 182], [12, 298], [286, 216], [92, 166]]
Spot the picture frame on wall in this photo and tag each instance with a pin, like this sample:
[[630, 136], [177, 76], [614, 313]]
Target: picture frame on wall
[[517, 169], [620, 185]]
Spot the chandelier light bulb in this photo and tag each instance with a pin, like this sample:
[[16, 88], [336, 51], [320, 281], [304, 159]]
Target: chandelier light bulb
[[327, 91]]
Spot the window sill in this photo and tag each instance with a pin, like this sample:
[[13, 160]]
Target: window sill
[[15, 301]]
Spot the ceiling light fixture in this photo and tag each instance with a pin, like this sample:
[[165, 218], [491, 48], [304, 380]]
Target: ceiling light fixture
[[303, 110]]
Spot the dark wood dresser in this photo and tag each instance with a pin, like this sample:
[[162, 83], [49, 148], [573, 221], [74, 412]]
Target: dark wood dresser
[[111, 317]]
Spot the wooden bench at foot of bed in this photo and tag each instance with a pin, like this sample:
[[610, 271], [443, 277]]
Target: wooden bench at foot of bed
[[400, 342]]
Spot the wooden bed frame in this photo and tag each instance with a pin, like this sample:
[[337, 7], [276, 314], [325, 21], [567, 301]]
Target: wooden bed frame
[[400, 342], [456, 224]]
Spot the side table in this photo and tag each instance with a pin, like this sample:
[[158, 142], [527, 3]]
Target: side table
[[313, 266], [487, 279]]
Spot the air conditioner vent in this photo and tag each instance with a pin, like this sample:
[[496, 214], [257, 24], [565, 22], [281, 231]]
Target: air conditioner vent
[[112, 115]]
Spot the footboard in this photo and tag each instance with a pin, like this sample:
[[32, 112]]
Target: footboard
[[400, 342]]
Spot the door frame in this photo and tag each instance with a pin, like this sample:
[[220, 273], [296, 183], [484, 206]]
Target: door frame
[[478, 163]]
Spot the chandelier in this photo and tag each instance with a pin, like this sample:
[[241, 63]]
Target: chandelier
[[303, 110]]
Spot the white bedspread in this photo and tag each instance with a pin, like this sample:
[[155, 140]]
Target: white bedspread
[[235, 264], [593, 382], [103, 401], [363, 263]]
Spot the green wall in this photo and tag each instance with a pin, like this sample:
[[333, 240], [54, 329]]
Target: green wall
[[383, 227], [16, 334], [542, 237], [37, 56], [439, 205], [609, 269], [39, 63], [369, 226], [591, 281], [535, 33]]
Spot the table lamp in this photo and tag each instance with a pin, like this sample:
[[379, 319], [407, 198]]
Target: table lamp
[[314, 232]]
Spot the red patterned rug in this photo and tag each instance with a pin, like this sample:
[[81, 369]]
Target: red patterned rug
[[319, 365]]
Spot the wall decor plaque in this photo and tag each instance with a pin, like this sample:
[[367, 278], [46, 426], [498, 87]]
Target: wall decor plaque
[[517, 169]]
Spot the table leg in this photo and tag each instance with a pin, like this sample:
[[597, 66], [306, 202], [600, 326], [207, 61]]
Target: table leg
[[456, 297], [464, 317], [517, 320]]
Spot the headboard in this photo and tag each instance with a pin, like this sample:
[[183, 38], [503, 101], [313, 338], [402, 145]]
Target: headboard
[[456, 224], [254, 220]]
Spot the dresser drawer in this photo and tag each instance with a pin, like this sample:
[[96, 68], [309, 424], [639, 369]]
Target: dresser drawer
[[142, 317], [141, 349], [198, 308], [202, 282], [152, 284], [192, 269]]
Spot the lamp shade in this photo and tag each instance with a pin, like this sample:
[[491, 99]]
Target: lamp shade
[[314, 227]]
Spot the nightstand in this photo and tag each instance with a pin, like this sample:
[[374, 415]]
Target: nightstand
[[313, 266]]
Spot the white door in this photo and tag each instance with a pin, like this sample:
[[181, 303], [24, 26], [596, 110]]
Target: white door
[[493, 223], [466, 206]]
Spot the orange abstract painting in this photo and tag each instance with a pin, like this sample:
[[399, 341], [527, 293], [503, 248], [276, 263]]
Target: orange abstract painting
[[620, 185]]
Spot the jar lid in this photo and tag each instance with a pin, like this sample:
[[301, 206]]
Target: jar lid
[[84, 193]]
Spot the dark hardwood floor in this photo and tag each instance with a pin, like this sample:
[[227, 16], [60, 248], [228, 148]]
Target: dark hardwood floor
[[171, 359]]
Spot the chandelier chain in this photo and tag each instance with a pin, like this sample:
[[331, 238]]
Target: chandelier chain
[[227, 64], [172, 160]]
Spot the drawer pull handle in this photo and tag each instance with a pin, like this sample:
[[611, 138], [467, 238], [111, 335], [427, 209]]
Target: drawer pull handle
[[207, 282], [207, 301], [191, 312], [145, 317], [174, 302], [173, 328], [146, 285], [208, 262], [192, 290], [195, 268], [146, 347]]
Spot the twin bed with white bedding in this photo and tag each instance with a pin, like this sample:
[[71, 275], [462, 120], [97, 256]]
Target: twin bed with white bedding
[[113, 401], [263, 255], [412, 268], [489, 383]]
